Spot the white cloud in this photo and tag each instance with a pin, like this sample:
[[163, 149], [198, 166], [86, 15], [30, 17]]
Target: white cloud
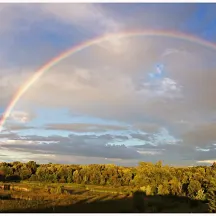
[[82, 15], [12, 155], [149, 152], [170, 51], [23, 142], [207, 161], [165, 87], [12, 14], [21, 116], [11, 79], [202, 149], [116, 44], [88, 17]]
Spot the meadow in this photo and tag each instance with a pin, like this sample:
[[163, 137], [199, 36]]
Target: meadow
[[52, 197], [150, 188]]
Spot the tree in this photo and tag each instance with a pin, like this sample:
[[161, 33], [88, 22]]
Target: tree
[[77, 177], [32, 165], [200, 195], [25, 173], [6, 172], [158, 164], [175, 187], [193, 188], [149, 190], [214, 165], [164, 189], [2, 175], [211, 196]]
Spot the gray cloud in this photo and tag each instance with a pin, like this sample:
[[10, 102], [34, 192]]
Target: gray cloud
[[179, 154], [201, 135], [9, 135], [80, 14], [153, 15], [97, 148], [17, 127], [82, 127], [89, 146], [128, 103], [147, 127], [141, 136]]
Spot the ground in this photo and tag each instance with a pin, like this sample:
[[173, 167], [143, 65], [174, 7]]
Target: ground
[[62, 198]]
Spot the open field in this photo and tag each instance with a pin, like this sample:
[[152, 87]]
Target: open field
[[56, 197]]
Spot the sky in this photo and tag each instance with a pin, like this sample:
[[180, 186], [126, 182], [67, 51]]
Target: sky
[[121, 101]]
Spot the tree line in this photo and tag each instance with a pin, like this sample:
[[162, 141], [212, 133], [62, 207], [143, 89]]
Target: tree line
[[154, 179]]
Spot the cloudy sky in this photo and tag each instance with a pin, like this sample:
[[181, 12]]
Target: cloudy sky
[[125, 100]]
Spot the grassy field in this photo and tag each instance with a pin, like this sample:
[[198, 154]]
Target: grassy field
[[56, 197]]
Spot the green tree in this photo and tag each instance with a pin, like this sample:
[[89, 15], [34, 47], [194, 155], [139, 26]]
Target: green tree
[[32, 166], [148, 190], [164, 189], [193, 188], [211, 196], [25, 173], [200, 195], [175, 187]]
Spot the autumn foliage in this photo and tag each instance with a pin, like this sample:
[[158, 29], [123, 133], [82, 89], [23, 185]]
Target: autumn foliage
[[152, 179]]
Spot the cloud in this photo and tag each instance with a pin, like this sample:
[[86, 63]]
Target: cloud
[[10, 81], [202, 149], [21, 116], [88, 146], [75, 15], [110, 81], [18, 142], [99, 89], [201, 135], [10, 154], [170, 51], [106, 87], [17, 127], [207, 161], [149, 152], [147, 127], [165, 87], [18, 119], [83, 15], [184, 154], [9, 135], [98, 148], [50, 29], [140, 136], [81, 127]]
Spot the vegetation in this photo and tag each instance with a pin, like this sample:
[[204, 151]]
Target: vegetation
[[197, 184]]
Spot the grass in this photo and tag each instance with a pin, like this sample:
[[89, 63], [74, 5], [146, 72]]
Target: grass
[[61, 197]]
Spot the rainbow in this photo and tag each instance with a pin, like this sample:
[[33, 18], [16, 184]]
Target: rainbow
[[87, 44]]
